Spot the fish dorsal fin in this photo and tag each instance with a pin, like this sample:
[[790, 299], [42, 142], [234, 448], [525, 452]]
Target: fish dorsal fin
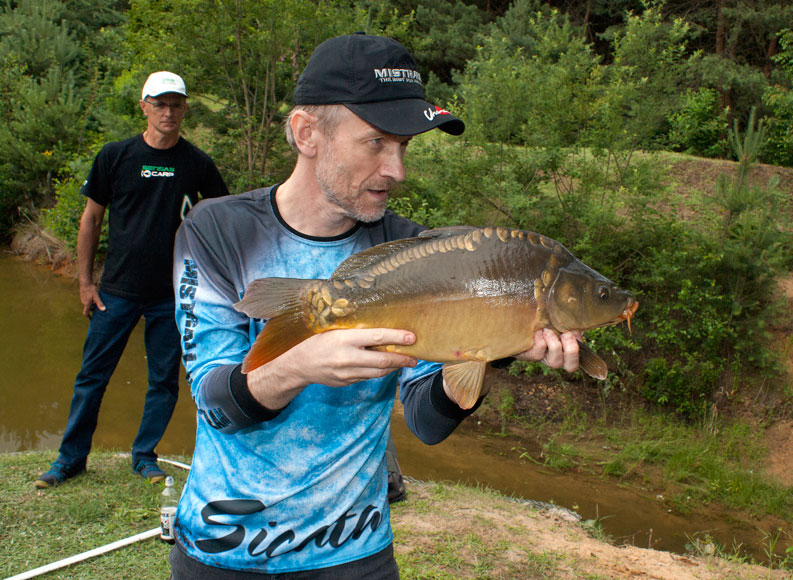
[[362, 260], [591, 363], [387, 257], [465, 380], [446, 231]]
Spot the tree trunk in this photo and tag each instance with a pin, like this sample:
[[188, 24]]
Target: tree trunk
[[773, 49], [721, 28]]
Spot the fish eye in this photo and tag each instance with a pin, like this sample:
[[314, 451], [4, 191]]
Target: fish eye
[[604, 293]]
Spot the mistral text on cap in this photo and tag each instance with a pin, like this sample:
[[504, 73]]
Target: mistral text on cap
[[397, 75]]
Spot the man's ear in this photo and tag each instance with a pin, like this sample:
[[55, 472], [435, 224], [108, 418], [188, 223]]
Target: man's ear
[[305, 132]]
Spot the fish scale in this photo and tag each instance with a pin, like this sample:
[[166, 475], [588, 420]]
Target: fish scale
[[470, 295]]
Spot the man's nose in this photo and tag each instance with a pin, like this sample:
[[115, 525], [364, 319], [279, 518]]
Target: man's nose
[[393, 165]]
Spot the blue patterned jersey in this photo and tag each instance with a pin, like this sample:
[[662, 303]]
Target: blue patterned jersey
[[303, 488]]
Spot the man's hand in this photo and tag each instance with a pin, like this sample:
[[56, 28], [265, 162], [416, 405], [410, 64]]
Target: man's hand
[[554, 350], [89, 296], [335, 358]]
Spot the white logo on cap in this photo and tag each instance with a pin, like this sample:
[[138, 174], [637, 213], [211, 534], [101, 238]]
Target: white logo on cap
[[397, 75], [432, 113]]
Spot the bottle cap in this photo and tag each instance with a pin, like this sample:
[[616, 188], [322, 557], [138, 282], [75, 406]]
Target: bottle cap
[[169, 481]]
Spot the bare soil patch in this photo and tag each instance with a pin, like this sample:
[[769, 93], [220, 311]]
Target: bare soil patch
[[536, 544]]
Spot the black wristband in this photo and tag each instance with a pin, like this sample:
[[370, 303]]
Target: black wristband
[[238, 386]]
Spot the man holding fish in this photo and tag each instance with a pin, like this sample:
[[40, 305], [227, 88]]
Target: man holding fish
[[289, 476]]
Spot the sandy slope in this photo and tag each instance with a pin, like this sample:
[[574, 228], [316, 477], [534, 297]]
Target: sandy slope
[[524, 543]]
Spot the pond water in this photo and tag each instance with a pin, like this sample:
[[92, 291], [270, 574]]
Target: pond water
[[40, 350]]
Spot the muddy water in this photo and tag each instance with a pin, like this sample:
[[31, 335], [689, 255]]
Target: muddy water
[[40, 350]]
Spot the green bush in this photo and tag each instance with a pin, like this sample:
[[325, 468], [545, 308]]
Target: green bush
[[778, 101], [699, 125], [778, 148], [63, 220]]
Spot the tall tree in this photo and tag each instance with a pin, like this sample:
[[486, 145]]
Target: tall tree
[[47, 62], [241, 59]]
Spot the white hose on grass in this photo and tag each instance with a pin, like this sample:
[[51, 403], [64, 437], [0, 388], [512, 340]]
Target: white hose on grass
[[96, 551], [176, 463], [86, 555]]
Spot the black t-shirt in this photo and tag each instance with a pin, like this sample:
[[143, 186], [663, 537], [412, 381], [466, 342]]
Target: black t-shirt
[[148, 191]]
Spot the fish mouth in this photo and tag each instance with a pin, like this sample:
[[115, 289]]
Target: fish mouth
[[628, 313]]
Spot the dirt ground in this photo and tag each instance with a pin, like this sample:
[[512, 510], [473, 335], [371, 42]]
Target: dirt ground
[[538, 544], [779, 436]]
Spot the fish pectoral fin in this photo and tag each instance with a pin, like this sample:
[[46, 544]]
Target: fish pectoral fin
[[591, 363], [464, 381]]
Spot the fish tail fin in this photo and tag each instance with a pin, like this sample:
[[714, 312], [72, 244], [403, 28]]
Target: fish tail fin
[[465, 380], [279, 301], [591, 363]]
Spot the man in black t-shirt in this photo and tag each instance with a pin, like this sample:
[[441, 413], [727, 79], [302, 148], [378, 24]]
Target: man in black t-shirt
[[149, 182]]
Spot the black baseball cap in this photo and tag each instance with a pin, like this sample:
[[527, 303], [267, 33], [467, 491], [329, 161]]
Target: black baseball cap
[[376, 78]]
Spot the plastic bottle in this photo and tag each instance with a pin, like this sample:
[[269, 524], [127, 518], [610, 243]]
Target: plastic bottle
[[169, 499]]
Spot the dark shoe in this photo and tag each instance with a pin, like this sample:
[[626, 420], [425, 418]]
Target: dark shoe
[[149, 470], [396, 487], [58, 473]]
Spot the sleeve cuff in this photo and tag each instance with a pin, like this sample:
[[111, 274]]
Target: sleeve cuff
[[238, 387], [502, 363], [444, 405]]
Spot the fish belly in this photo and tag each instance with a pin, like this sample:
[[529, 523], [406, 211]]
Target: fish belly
[[456, 329]]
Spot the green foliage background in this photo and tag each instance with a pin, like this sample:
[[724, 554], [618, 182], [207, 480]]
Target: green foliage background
[[561, 109]]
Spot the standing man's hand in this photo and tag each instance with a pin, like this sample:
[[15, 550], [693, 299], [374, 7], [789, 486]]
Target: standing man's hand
[[87, 243], [89, 295]]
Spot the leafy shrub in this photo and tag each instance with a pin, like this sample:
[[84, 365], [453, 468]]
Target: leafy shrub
[[642, 85], [778, 148], [778, 100], [63, 219], [699, 125], [531, 81]]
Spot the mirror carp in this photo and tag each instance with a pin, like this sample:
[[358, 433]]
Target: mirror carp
[[470, 295]]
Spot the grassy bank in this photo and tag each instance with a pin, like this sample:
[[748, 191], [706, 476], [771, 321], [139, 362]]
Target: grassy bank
[[443, 532], [721, 459]]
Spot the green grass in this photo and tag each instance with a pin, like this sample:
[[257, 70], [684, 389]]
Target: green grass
[[717, 462], [105, 505], [443, 532]]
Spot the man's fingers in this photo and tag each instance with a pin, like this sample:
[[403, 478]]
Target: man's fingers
[[537, 352], [368, 337], [554, 358], [570, 349]]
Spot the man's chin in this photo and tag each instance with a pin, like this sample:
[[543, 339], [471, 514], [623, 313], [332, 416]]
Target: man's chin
[[370, 216]]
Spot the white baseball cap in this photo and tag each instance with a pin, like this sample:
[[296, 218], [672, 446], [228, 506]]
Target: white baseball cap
[[162, 82]]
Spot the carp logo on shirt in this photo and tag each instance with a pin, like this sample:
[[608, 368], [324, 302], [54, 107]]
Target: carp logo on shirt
[[156, 171]]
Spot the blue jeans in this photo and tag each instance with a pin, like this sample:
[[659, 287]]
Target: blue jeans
[[107, 337]]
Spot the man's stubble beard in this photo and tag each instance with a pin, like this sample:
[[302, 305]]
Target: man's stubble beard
[[328, 174]]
